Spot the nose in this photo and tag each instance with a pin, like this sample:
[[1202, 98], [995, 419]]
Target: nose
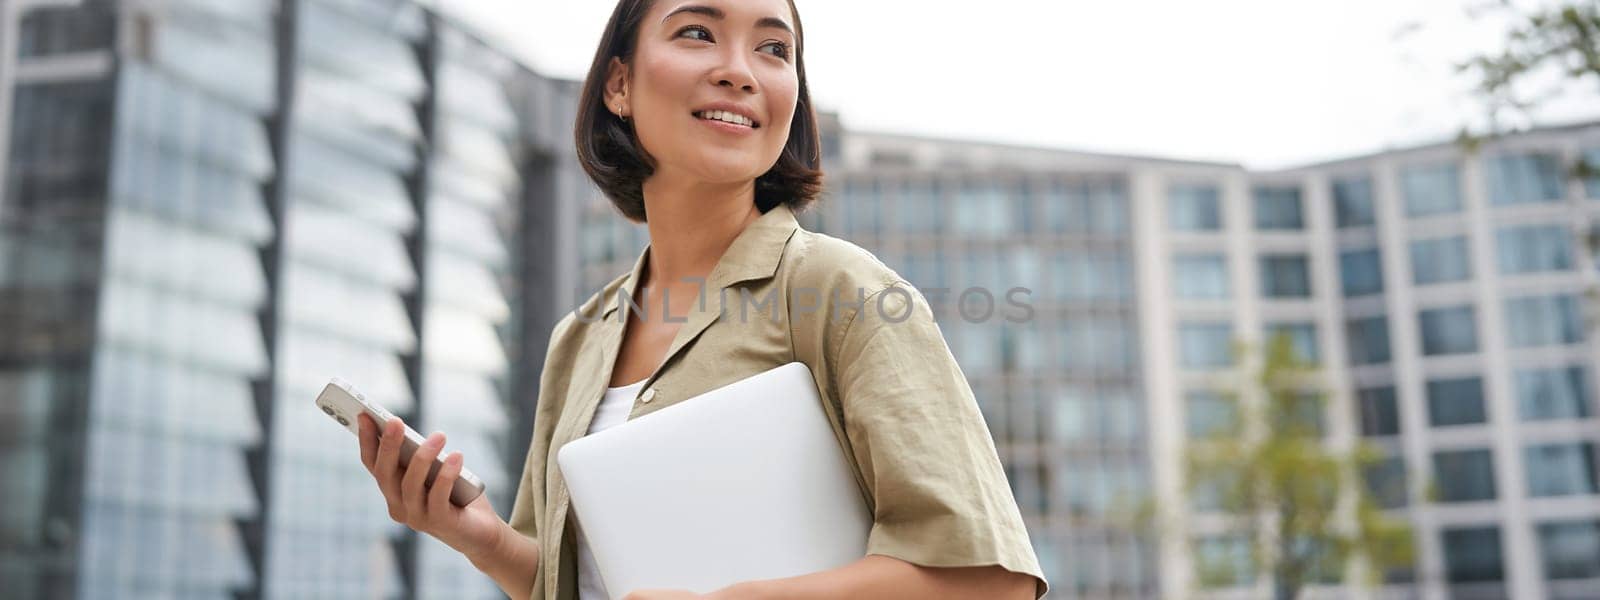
[[734, 72]]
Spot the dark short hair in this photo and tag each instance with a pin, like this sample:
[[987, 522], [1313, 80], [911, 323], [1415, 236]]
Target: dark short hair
[[610, 152]]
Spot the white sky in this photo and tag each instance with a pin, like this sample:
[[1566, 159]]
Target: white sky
[[1269, 83]]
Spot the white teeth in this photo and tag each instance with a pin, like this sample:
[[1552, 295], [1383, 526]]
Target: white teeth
[[722, 115]]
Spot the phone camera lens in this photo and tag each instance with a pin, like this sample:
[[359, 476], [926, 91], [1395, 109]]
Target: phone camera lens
[[327, 410], [342, 421]]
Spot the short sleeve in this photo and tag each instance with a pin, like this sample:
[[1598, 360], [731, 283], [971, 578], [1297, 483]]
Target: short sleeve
[[524, 518], [940, 494], [526, 514]]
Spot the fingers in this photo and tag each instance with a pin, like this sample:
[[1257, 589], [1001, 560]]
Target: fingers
[[386, 464], [439, 494], [368, 434], [413, 495]]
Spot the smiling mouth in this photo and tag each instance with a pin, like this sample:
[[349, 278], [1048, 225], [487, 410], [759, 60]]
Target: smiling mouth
[[726, 117]]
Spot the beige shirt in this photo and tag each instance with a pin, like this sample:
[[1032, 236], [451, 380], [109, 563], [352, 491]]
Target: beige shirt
[[897, 400]]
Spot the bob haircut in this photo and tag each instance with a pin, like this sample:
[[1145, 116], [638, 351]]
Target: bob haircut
[[611, 154]]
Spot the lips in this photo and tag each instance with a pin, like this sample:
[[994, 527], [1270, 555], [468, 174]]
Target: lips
[[727, 112], [733, 129], [726, 118]]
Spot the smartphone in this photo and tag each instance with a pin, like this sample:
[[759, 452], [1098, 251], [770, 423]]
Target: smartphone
[[342, 402]]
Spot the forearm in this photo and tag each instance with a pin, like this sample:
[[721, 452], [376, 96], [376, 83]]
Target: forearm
[[512, 563], [888, 578]]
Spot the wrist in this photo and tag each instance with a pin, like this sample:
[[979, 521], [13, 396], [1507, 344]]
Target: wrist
[[485, 554], [748, 590]]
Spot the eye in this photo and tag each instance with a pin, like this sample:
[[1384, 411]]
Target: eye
[[698, 28], [783, 49]]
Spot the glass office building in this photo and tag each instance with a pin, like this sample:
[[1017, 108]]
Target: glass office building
[[1475, 366], [210, 208], [1445, 296]]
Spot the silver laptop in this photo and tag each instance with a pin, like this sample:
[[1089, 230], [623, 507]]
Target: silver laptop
[[740, 483]]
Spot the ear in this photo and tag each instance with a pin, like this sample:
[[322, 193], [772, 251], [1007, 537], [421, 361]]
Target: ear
[[616, 94]]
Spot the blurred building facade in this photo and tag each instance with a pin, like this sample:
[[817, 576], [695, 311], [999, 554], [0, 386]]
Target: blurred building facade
[[1454, 296], [1442, 292], [212, 206]]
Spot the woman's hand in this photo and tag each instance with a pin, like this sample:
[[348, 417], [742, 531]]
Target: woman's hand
[[740, 591], [665, 595], [473, 530]]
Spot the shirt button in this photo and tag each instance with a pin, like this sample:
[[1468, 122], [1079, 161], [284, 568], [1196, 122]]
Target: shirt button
[[648, 395]]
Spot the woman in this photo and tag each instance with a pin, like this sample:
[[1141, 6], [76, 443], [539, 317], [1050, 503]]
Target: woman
[[695, 119]]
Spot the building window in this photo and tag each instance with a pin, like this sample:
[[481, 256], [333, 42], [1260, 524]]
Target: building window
[[1224, 561], [1455, 402], [977, 347], [1352, 202], [1194, 208], [1472, 555], [1378, 412], [1525, 179], [1431, 190], [1206, 346], [926, 270], [1024, 206], [1386, 481], [811, 220], [1096, 344], [1108, 206], [1200, 276], [1440, 260], [1300, 413], [1023, 268], [1570, 549], [1368, 339], [1591, 183], [984, 208], [1361, 272], [61, 141], [1534, 248], [1278, 208], [1091, 275], [1543, 321], [1448, 330], [1210, 414], [1559, 393], [1022, 349], [863, 207], [1560, 469], [1302, 339], [599, 245], [1464, 475], [1285, 276], [986, 269], [919, 208], [1064, 204], [45, 31], [1091, 205]]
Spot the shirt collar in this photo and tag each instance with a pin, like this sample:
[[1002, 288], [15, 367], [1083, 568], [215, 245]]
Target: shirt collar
[[754, 254]]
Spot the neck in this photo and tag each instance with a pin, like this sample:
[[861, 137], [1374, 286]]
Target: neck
[[691, 225]]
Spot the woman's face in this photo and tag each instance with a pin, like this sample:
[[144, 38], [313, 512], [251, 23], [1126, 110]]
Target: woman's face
[[696, 57]]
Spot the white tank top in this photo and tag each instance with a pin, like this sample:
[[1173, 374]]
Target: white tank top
[[613, 411]]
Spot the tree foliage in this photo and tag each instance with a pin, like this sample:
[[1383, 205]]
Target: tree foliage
[[1303, 508], [1558, 43]]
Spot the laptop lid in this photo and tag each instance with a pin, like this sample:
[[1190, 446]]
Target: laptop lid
[[740, 483]]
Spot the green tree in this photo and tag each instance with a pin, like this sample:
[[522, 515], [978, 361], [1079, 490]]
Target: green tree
[[1555, 44], [1302, 509]]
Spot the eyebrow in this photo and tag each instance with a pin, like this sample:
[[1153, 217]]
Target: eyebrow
[[716, 13]]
